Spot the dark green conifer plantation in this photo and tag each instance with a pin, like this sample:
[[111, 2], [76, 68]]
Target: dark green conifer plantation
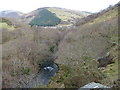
[[45, 18]]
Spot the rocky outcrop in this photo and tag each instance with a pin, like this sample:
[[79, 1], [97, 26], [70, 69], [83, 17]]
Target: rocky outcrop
[[105, 60]]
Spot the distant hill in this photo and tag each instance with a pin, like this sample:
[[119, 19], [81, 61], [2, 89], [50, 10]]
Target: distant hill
[[10, 23], [67, 16], [104, 15], [11, 14], [45, 18], [6, 24]]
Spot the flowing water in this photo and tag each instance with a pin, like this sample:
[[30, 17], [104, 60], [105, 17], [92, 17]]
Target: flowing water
[[43, 77]]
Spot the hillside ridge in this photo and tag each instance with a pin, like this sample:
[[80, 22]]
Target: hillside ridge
[[67, 16]]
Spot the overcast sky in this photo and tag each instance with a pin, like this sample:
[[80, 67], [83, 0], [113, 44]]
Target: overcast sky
[[26, 6]]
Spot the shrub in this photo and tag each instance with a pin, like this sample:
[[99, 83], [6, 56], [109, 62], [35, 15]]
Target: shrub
[[26, 71], [52, 48]]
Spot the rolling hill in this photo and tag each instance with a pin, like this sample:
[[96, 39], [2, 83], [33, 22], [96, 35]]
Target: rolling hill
[[67, 16], [81, 48], [45, 18], [11, 14], [10, 23]]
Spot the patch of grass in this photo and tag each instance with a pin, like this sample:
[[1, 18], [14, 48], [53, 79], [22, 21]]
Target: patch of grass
[[107, 16], [26, 71], [52, 48], [6, 26], [41, 86], [66, 15], [4, 20], [111, 70]]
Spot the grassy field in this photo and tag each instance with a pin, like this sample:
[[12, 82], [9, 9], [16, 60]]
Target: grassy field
[[6, 26], [67, 16], [106, 16], [64, 15]]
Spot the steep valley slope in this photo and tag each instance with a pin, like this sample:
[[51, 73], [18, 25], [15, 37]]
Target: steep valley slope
[[76, 51]]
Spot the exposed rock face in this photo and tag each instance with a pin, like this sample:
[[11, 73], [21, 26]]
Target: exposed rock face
[[93, 85], [105, 60]]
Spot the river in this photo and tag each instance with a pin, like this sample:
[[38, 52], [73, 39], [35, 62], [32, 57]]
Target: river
[[43, 77]]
